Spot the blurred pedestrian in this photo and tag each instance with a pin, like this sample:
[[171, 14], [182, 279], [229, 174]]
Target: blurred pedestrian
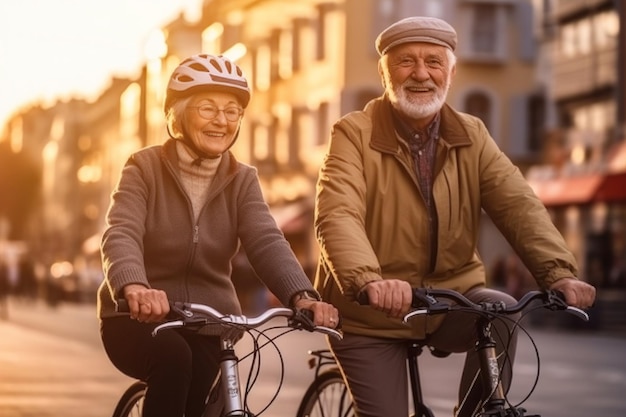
[[509, 274], [5, 290], [27, 283]]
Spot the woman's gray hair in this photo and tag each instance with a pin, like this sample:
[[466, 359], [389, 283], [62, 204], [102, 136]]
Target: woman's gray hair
[[176, 116]]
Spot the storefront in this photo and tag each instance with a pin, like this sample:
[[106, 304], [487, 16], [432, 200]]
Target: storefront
[[590, 212]]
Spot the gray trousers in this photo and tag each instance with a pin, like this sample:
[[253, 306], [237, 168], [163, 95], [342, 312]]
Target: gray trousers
[[375, 368]]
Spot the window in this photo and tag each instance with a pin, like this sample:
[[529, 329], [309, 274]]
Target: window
[[484, 29], [536, 122], [606, 26], [323, 121], [487, 28], [304, 39], [262, 68], [260, 143], [304, 131], [285, 48], [583, 36], [479, 105]]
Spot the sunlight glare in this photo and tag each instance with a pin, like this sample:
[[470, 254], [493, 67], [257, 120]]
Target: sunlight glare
[[62, 49]]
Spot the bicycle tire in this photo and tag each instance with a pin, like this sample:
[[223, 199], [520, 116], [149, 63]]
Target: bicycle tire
[[131, 402], [327, 396]]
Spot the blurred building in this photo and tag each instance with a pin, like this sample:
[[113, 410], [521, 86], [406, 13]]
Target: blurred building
[[315, 60], [546, 77], [582, 177]]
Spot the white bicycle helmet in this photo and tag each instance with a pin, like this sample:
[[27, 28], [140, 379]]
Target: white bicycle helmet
[[204, 72]]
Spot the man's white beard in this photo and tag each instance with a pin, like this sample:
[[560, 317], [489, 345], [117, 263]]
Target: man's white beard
[[417, 108]]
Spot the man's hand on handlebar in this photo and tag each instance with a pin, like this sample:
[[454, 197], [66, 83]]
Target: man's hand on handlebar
[[577, 293], [324, 314], [146, 305], [391, 296]]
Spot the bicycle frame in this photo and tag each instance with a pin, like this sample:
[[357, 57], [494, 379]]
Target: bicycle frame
[[231, 401], [225, 397], [425, 301], [494, 402]]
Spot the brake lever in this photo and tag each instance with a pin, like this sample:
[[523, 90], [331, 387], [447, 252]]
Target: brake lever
[[179, 309], [556, 300], [302, 319], [423, 299]]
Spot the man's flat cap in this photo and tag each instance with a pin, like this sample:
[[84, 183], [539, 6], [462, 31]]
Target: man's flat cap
[[417, 29]]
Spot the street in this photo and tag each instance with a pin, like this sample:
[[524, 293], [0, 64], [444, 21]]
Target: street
[[52, 364]]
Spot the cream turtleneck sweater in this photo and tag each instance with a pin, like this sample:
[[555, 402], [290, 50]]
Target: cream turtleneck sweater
[[196, 175]]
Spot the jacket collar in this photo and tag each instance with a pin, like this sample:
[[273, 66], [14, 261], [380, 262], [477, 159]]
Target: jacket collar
[[384, 138]]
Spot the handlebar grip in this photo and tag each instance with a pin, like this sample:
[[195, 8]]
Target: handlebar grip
[[420, 298], [307, 314], [362, 298], [121, 306]]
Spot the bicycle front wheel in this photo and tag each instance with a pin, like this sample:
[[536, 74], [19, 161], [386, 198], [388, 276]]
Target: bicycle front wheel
[[327, 396], [131, 402]]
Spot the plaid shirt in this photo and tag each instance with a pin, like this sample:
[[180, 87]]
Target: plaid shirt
[[423, 146]]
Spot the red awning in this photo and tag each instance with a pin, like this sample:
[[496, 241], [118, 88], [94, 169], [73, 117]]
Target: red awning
[[565, 191], [612, 189], [608, 187]]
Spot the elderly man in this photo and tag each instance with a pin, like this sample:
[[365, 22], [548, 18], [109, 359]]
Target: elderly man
[[399, 199]]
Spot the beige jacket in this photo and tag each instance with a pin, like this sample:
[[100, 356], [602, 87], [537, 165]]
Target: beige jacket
[[371, 221]]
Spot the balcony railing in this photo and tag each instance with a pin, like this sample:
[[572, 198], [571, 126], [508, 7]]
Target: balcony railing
[[568, 8], [580, 75]]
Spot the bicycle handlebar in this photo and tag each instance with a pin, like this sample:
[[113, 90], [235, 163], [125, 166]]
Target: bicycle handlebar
[[195, 314], [426, 301]]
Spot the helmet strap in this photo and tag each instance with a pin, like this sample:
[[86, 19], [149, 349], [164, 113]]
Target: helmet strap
[[189, 143]]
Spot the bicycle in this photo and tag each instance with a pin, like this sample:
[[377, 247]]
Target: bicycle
[[328, 395], [225, 398]]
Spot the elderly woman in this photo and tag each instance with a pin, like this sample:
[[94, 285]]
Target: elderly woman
[[178, 216]]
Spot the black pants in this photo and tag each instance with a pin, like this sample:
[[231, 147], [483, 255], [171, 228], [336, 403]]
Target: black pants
[[179, 366]]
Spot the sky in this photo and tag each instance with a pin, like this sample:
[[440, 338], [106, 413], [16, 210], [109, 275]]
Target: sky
[[59, 49]]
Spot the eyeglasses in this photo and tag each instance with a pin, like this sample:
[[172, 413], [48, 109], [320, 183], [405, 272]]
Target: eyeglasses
[[209, 112]]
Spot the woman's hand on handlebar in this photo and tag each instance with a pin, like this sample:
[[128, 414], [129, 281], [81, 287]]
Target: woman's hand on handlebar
[[324, 314], [577, 293], [391, 296], [146, 305]]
